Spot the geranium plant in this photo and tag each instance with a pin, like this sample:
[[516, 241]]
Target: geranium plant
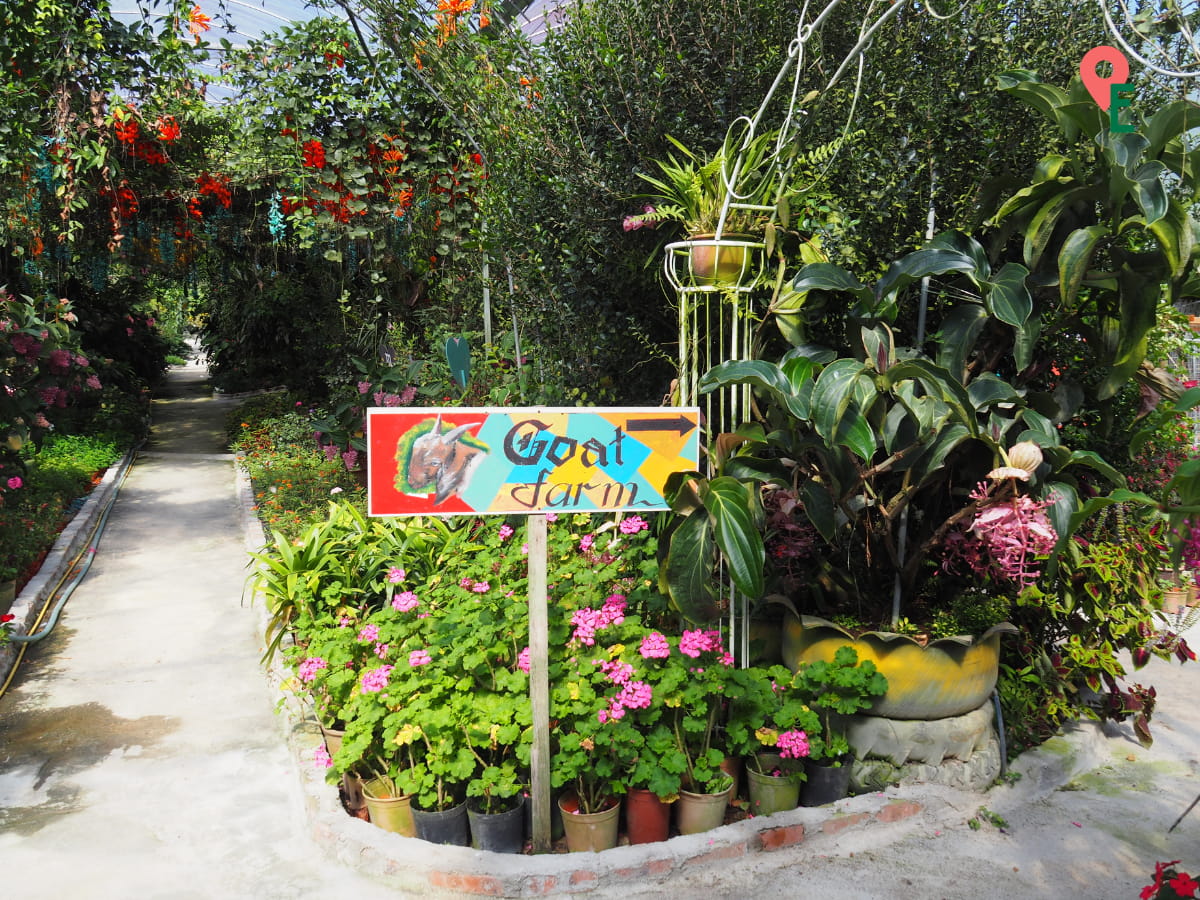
[[842, 687], [766, 716]]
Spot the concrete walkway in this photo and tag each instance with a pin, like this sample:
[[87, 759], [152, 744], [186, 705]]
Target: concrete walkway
[[140, 756]]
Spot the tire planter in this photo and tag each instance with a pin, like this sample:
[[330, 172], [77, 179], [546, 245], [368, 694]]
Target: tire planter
[[948, 677]]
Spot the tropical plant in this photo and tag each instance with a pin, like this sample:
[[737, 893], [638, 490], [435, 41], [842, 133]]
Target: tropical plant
[[698, 192]]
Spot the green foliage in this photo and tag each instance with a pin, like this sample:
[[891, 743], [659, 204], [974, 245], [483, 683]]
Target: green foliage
[[843, 686]]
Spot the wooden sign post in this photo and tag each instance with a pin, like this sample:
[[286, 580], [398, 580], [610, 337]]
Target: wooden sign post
[[477, 461]]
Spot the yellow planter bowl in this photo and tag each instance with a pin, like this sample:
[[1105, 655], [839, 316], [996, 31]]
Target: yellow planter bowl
[[947, 677]]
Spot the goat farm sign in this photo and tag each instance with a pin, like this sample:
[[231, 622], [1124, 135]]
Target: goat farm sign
[[454, 461]]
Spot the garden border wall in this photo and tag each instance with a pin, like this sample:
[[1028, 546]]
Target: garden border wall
[[70, 541]]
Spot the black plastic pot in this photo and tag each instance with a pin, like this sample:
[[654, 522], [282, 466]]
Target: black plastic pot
[[443, 827], [501, 832], [825, 782]]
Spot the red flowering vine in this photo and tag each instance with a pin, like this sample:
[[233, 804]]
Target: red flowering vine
[[314, 155]]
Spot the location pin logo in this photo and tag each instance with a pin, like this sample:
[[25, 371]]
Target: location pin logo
[[1097, 85]]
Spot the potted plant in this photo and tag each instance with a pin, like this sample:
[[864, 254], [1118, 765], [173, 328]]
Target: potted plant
[[770, 726], [595, 743], [696, 192], [840, 687], [495, 732]]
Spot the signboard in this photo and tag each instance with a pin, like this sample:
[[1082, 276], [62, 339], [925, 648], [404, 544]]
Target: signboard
[[453, 461]]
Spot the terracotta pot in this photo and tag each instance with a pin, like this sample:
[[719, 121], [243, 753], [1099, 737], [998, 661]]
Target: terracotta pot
[[647, 817], [732, 766], [718, 263]]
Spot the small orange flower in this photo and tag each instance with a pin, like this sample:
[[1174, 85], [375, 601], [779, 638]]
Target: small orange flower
[[198, 22]]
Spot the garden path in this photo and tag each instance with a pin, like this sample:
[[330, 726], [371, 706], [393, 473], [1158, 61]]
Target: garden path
[[140, 754]]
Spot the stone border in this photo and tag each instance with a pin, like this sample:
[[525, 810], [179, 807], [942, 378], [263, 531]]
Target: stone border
[[859, 823], [62, 554]]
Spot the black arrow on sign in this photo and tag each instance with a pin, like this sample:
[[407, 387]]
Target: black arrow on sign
[[680, 424]]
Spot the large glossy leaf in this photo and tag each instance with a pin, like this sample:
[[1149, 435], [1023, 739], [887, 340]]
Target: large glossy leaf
[[963, 243], [947, 440], [1038, 428], [1084, 115], [818, 353], [798, 371], [1025, 342], [818, 506], [1049, 166], [758, 373], [1149, 192], [686, 575], [1074, 259], [916, 265], [1022, 83], [835, 414], [828, 277], [1041, 227], [960, 330], [1009, 299], [1170, 121], [1064, 503], [1138, 301], [989, 389], [1175, 237], [940, 383], [729, 502], [1025, 203], [1125, 147], [1097, 463]]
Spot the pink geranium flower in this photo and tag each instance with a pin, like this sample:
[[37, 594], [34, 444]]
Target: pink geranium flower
[[419, 658], [405, 602]]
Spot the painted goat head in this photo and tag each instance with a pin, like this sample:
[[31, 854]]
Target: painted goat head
[[443, 461]]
